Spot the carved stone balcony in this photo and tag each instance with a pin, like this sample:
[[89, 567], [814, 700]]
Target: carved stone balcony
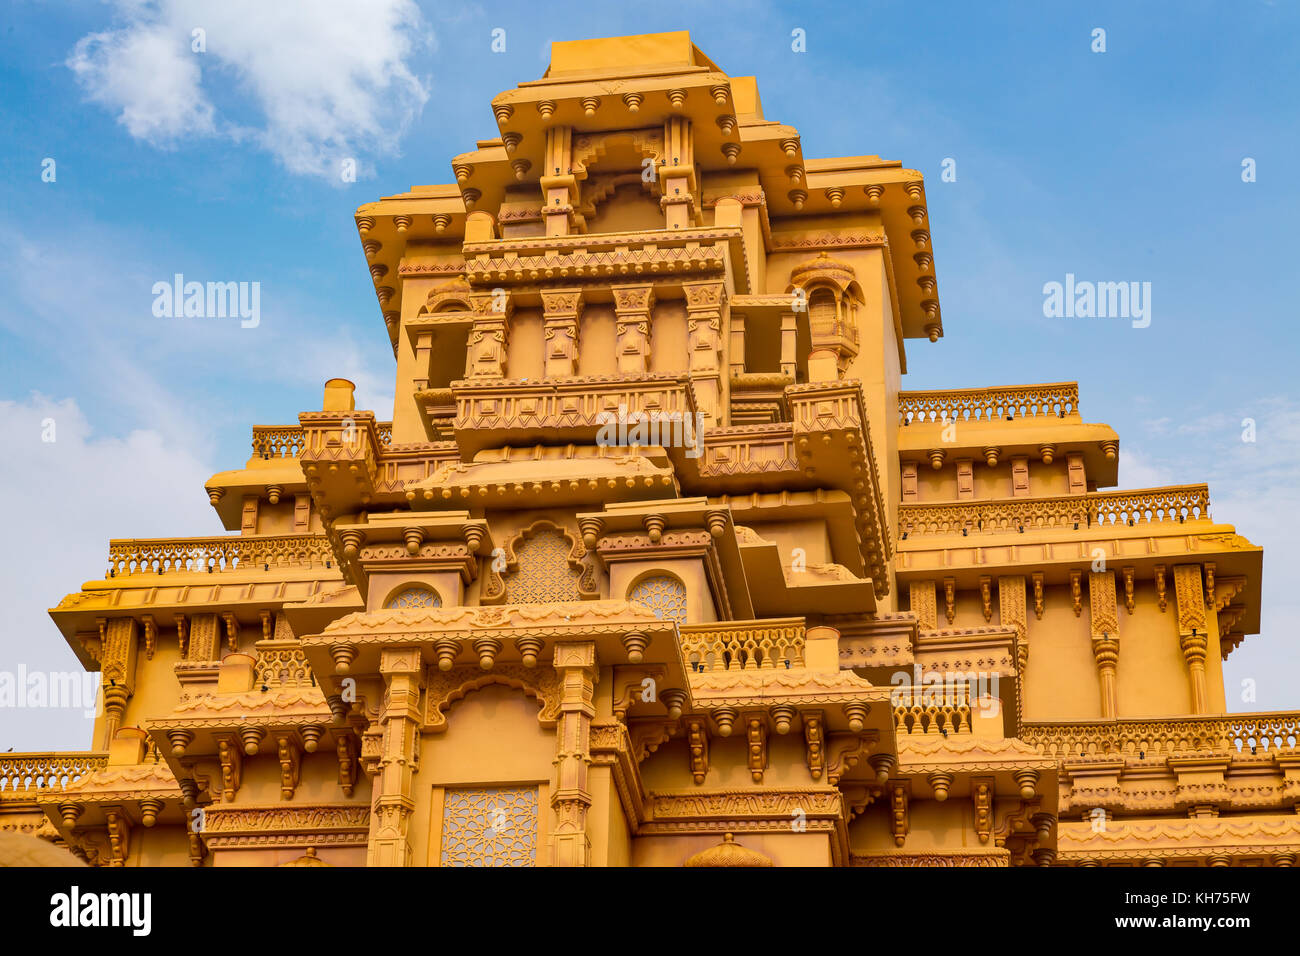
[[25, 776], [219, 554], [1175, 505]]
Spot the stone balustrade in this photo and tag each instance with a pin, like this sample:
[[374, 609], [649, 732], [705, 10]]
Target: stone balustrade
[[288, 441], [743, 645], [1055, 400], [931, 709], [1247, 734], [26, 775], [209, 555], [1174, 504]]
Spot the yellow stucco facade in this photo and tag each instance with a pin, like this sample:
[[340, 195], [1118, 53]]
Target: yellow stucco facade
[[658, 564]]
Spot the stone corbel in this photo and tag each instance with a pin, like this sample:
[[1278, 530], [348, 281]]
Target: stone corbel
[[118, 825], [290, 764], [150, 636], [231, 754], [1104, 622], [899, 795], [232, 631], [847, 751], [981, 789], [756, 744], [346, 750], [697, 746], [814, 733], [119, 648], [1192, 630], [633, 685]]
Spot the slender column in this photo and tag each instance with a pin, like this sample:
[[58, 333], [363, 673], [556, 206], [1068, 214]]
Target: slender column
[[403, 672], [576, 665], [1105, 637], [1192, 630]]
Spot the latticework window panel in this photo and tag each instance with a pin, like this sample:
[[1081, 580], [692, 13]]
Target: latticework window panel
[[414, 596], [663, 594], [544, 574], [490, 826]]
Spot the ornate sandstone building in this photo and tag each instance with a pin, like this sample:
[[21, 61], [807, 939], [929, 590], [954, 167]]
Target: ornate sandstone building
[[657, 564]]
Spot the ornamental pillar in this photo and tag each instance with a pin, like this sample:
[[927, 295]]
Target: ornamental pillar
[[488, 336], [401, 717], [119, 640], [704, 304], [1105, 637], [632, 308], [576, 667], [1192, 630], [561, 309]]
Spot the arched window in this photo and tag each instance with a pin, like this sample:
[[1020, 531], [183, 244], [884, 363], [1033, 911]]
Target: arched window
[[415, 595], [663, 594]]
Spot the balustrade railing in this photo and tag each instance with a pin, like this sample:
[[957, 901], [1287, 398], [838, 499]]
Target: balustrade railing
[[1254, 734], [1054, 400], [1177, 504], [25, 775], [743, 645], [931, 709], [200, 555], [288, 441]]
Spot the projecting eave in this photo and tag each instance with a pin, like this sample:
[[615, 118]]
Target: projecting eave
[[1035, 438], [226, 489], [431, 215]]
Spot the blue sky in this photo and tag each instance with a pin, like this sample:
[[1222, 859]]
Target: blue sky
[[1117, 166]]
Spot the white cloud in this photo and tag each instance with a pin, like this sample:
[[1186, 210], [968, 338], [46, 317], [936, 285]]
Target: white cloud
[[329, 78], [67, 498]]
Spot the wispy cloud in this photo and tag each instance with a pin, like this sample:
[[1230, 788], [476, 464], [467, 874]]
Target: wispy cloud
[[326, 80]]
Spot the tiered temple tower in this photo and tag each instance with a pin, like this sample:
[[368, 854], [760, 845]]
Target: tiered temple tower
[[657, 564]]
